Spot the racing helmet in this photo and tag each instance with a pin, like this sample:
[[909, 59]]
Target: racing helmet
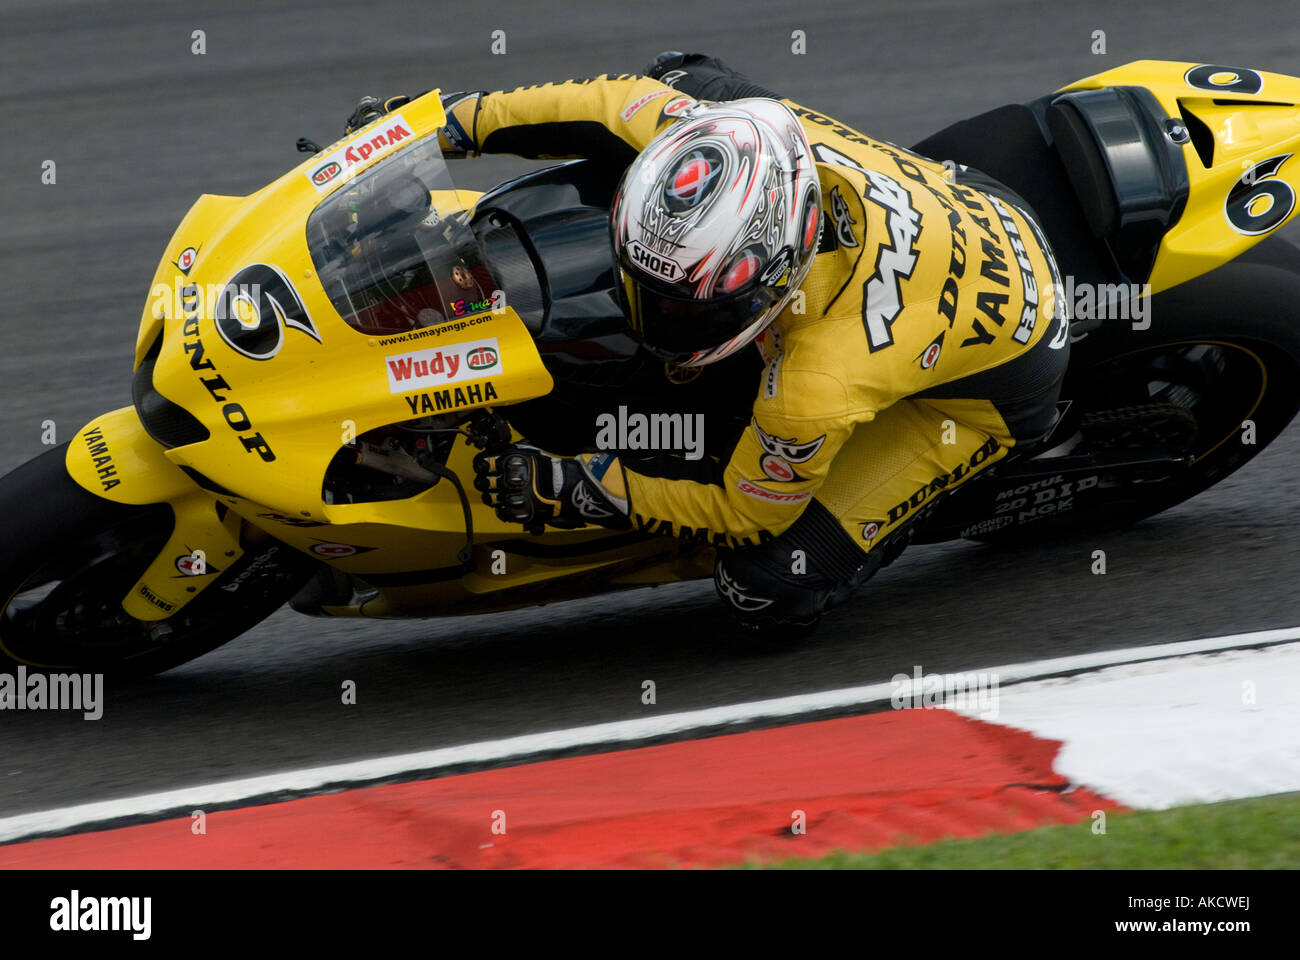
[[715, 225]]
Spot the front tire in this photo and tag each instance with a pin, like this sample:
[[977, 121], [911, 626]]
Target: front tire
[[70, 558]]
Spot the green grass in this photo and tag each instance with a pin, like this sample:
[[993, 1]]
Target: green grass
[[1260, 833]]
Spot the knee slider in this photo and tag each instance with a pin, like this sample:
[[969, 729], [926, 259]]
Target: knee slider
[[758, 590]]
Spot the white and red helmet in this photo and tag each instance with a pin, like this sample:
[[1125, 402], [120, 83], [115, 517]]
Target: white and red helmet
[[715, 226]]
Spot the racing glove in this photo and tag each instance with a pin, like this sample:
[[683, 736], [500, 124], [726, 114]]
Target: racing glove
[[528, 486], [370, 109], [704, 77]]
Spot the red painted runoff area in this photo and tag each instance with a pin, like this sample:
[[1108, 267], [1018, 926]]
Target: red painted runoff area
[[860, 783]]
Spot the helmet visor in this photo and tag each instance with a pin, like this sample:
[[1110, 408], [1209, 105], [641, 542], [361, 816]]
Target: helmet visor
[[690, 332]]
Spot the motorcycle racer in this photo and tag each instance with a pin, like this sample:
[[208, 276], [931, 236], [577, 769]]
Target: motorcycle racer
[[904, 310]]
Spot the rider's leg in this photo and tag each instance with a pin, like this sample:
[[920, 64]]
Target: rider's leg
[[888, 475], [889, 470]]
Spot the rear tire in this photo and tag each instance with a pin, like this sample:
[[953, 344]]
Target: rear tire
[[72, 556], [1236, 331]]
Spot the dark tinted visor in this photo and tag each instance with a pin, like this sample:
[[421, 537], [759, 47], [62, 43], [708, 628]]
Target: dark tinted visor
[[676, 328]]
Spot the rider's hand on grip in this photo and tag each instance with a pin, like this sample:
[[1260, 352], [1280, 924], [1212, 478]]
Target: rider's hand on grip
[[524, 485], [370, 109]]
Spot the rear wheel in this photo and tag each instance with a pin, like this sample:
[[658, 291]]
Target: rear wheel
[[1214, 380], [73, 556]]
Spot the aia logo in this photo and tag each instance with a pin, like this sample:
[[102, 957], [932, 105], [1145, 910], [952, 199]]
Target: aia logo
[[255, 307], [326, 173], [870, 528], [482, 358], [930, 355], [693, 179]]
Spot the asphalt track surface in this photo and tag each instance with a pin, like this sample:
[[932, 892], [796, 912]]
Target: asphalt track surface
[[139, 126]]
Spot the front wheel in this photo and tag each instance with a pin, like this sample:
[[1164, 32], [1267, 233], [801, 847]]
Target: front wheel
[[71, 557]]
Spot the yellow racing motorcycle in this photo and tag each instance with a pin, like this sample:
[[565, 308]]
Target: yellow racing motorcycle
[[318, 364]]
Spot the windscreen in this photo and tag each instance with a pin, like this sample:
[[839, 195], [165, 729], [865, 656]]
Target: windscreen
[[394, 250]]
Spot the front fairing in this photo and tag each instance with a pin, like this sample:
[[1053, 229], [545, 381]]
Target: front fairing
[[255, 348]]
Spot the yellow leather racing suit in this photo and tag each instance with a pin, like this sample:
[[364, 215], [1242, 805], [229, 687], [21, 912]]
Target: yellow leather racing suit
[[924, 343]]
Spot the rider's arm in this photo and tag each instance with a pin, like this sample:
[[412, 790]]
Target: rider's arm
[[610, 118], [779, 462]]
